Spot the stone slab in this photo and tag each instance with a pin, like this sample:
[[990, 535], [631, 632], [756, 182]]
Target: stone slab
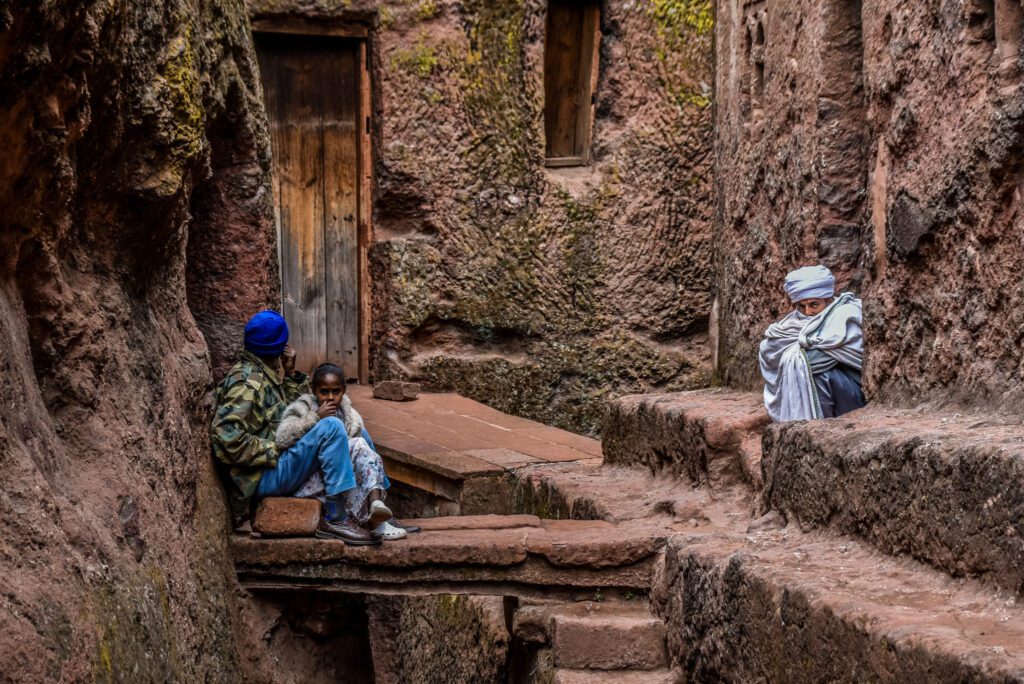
[[504, 458], [608, 640], [947, 489], [286, 517], [698, 435], [500, 548], [476, 522], [595, 543], [567, 676]]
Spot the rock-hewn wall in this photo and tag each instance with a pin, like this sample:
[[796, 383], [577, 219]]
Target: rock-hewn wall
[[446, 638], [541, 292], [112, 526], [886, 144]]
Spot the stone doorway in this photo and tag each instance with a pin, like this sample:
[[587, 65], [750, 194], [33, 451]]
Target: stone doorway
[[317, 93]]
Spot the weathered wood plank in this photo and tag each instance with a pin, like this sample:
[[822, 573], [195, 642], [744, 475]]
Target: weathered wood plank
[[365, 209], [291, 89], [562, 44], [339, 85], [571, 53]]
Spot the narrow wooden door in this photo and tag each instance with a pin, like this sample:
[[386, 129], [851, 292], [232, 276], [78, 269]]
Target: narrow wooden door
[[571, 45], [312, 90]]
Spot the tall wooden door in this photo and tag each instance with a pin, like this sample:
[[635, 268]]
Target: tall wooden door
[[313, 95]]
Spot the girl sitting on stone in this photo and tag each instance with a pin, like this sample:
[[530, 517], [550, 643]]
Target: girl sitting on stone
[[364, 502], [811, 360]]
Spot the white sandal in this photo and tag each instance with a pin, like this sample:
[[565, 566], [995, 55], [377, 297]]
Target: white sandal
[[389, 532], [379, 513]]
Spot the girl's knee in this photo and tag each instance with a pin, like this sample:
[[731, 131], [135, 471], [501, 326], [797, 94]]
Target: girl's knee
[[331, 424]]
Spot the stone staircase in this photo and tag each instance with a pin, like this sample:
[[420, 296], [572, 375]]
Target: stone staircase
[[882, 546]]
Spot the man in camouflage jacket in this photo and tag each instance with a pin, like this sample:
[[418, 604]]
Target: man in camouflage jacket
[[250, 401]]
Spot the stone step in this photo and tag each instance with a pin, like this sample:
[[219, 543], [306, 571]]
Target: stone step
[[710, 437], [782, 605], [946, 489], [590, 635], [661, 676], [485, 554], [786, 606]]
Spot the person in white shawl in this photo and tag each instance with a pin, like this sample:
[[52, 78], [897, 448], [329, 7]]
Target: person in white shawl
[[811, 360]]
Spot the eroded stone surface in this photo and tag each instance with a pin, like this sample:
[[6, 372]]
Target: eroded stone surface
[[708, 436], [608, 637], [935, 486], [286, 517], [131, 133], [883, 141]]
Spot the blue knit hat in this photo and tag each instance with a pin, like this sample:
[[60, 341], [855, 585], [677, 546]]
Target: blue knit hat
[[266, 334]]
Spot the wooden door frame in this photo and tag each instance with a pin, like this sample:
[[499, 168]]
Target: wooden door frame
[[360, 32]]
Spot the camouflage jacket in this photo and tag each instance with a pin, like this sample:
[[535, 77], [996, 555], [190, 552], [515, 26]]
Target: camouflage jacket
[[250, 401]]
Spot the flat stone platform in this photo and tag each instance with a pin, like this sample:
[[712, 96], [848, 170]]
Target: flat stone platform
[[484, 554], [458, 449]]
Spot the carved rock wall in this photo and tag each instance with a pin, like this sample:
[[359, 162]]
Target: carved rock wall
[[112, 525], [885, 142]]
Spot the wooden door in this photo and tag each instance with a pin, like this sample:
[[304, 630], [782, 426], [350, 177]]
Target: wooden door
[[571, 45], [313, 95]]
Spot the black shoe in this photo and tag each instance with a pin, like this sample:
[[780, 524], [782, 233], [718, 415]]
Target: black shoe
[[408, 528], [346, 530]]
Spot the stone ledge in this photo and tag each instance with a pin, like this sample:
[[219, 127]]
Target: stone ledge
[[947, 490], [708, 436], [557, 553], [790, 607]]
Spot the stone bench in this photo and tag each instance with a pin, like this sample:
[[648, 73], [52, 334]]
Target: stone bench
[[947, 489]]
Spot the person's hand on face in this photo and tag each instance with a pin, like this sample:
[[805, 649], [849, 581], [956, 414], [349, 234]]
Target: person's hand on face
[[288, 361], [327, 408]]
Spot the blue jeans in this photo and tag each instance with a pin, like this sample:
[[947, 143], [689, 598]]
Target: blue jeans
[[325, 447]]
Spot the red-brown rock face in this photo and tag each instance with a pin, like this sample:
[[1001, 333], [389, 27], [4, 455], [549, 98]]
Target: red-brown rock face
[[884, 142], [112, 527]]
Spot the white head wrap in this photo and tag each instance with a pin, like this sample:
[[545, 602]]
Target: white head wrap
[[810, 282]]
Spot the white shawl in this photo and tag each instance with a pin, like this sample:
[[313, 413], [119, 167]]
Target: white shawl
[[789, 392]]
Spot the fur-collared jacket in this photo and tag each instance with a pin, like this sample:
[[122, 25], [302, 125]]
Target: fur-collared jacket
[[301, 415]]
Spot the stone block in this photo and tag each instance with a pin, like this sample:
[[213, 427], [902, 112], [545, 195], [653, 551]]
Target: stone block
[[286, 517], [942, 488], [706, 436], [532, 624], [608, 640], [396, 390], [567, 676]]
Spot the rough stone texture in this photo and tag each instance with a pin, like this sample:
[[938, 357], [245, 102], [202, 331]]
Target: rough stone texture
[[792, 609], [278, 516], [396, 390], [439, 639], [610, 637], [887, 145], [540, 292], [127, 127], [935, 487], [709, 436], [310, 637]]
